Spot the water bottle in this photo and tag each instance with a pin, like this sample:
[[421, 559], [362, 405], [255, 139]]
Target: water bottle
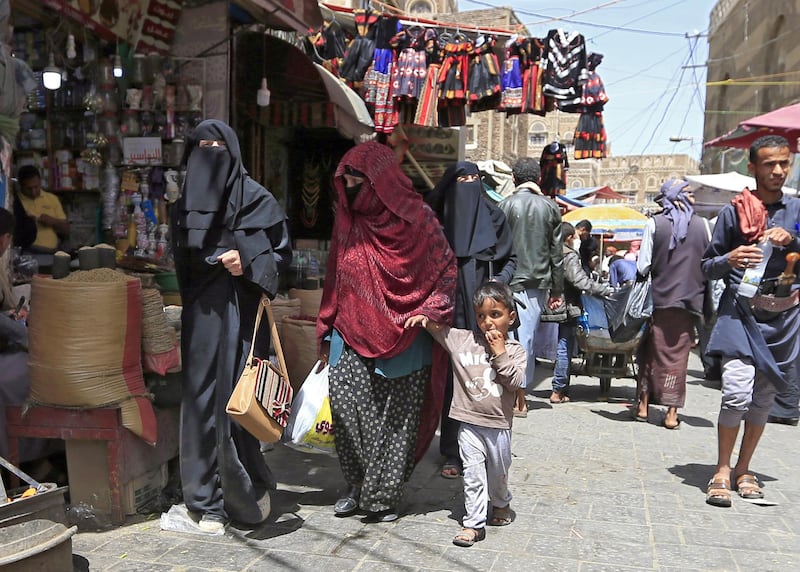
[[583, 321], [752, 275]]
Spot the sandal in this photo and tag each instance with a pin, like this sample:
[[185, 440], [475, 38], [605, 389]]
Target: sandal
[[450, 470], [557, 397], [469, 536], [748, 487], [718, 492], [501, 516]]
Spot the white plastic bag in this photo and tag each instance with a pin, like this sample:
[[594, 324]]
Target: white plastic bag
[[310, 427]]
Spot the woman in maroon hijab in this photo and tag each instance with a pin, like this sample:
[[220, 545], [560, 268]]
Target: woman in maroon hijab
[[388, 260]]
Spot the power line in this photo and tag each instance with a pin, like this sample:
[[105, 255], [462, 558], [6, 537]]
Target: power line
[[637, 19], [669, 103], [580, 22]]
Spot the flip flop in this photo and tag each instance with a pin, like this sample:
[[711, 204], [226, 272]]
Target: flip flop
[[670, 427]]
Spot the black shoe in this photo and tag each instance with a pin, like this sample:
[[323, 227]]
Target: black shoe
[[793, 421], [347, 505], [388, 515]]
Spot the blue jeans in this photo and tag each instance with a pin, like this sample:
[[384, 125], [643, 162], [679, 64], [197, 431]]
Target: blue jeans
[[566, 347], [533, 299]]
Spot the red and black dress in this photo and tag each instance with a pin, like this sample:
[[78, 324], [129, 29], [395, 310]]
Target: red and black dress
[[590, 134], [484, 76], [428, 100], [410, 71], [554, 165], [453, 83]]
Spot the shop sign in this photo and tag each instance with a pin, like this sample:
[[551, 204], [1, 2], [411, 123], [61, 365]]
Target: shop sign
[[141, 150], [147, 24], [438, 144]]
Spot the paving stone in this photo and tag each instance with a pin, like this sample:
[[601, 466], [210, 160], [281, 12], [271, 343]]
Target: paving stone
[[593, 491]]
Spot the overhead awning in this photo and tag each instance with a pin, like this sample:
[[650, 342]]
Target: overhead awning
[[303, 94], [784, 121], [352, 117], [296, 15], [590, 193]]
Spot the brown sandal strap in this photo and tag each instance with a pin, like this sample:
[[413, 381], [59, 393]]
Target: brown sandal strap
[[747, 479], [719, 484]]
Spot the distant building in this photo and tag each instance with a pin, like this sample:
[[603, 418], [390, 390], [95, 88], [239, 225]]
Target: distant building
[[753, 68]]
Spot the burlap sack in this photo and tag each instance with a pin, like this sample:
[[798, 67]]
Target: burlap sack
[[285, 307], [299, 340], [310, 300], [85, 346]]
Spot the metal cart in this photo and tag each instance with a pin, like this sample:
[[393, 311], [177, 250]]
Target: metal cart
[[603, 357]]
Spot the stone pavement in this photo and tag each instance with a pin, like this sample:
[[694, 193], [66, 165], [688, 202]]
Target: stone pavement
[[592, 490]]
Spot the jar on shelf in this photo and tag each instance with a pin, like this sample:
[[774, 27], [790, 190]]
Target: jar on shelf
[[109, 100], [138, 70], [108, 125], [105, 72], [131, 125]]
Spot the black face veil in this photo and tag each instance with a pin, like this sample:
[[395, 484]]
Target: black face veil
[[212, 173]]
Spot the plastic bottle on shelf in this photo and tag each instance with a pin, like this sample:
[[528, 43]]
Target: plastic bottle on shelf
[[752, 275]]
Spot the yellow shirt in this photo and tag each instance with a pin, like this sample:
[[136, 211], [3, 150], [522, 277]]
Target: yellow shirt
[[45, 203]]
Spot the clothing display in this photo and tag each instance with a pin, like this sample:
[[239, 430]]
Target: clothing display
[[554, 165], [425, 75], [565, 69], [590, 134], [484, 76]]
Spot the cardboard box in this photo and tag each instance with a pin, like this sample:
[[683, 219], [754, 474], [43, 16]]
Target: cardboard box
[[142, 490]]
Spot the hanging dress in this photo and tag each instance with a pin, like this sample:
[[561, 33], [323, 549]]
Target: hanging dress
[[410, 73], [554, 165], [378, 79], [511, 99], [484, 76], [533, 99], [590, 134], [427, 106], [361, 50], [453, 83]]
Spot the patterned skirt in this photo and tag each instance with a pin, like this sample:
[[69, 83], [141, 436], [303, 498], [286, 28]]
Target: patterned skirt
[[512, 85]]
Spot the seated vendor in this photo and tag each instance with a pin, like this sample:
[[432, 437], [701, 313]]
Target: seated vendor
[[14, 381], [51, 222]]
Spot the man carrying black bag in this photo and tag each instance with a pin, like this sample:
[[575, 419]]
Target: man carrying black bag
[[672, 247]]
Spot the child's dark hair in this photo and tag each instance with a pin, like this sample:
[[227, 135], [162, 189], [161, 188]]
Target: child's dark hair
[[497, 291]]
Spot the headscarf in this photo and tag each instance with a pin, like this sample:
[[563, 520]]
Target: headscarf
[[465, 214], [752, 215], [217, 192], [388, 259], [677, 208]]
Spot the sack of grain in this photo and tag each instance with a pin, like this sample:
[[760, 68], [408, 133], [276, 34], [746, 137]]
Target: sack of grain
[[85, 345], [299, 341], [310, 301]]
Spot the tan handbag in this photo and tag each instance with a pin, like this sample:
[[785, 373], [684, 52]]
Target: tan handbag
[[262, 399]]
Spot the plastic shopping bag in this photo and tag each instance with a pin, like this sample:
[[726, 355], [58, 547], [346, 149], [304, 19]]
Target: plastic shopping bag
[[628, 310], [310, 427]]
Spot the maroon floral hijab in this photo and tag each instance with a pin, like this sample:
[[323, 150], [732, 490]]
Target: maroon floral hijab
[[388, 259]]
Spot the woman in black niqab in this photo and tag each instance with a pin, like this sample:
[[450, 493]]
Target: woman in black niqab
[[480, 237], [230, 240]]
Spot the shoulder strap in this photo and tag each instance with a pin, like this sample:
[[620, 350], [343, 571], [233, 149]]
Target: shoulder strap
[[276, 339]]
